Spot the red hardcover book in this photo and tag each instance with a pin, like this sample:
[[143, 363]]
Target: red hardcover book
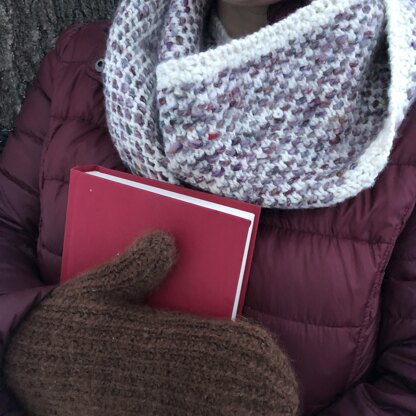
[[108, 210]]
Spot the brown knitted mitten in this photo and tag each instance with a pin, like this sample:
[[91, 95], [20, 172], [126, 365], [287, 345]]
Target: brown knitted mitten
[[93, 348]]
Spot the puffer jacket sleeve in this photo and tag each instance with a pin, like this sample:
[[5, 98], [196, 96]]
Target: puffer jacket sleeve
[[393, 388], [20, 283]]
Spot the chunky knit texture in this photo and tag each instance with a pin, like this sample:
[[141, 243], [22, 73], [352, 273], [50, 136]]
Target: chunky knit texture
[[301, 114], [93, 348]]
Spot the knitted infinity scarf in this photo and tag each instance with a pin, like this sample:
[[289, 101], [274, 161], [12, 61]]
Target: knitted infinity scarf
[[300, 114]]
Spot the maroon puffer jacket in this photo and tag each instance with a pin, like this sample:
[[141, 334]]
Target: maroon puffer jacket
[[336, 285]]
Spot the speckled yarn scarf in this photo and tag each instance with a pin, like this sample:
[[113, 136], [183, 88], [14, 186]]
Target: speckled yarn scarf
[[302, 113]]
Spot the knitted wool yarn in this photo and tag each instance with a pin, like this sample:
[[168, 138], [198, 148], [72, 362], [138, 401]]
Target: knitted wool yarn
[[93, 348], [302, 113]]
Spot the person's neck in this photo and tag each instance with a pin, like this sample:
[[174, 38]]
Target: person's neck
[[240, 21]]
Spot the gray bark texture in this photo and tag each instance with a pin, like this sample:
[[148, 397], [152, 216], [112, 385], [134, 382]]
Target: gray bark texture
[[28, 30]]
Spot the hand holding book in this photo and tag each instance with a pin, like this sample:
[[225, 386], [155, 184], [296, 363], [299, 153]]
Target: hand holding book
[[108, 210], [94, 345]]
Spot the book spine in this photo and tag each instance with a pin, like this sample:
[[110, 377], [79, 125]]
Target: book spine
[[72, 198]]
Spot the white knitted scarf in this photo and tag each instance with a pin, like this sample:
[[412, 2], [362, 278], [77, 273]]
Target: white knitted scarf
[[302, 113]]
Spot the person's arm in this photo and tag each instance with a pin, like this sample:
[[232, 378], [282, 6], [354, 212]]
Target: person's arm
[[393, 389], [20, 283]]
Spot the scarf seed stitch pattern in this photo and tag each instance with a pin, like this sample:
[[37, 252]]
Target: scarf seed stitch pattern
[[301, 114]]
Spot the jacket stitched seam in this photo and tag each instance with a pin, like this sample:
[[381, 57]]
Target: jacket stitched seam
[[43, 245], [73, 31], [9, 226], [19, 183], [376, 285], [33, 137], [331, 236], [400, 318], [37, 86], [47, 178], [301, 322], [82, 119], [371, 402], [51, 135]]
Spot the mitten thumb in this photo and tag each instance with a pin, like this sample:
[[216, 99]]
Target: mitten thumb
[[133, 274]]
